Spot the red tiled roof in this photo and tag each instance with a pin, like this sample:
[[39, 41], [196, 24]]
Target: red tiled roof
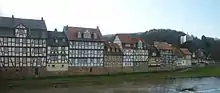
[[163, 45], [185, 51], [126, 38], [177, 52], [71, 33]]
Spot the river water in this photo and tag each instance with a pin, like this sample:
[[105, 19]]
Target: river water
[[203, 85]]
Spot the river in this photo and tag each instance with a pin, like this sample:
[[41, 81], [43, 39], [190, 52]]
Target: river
[[203, 85]]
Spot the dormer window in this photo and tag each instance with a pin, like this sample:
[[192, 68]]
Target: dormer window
[[79, 35], [64, 40], [87, 34], [117, 50], [154, 54], [140, 45], [56, 41], [21, 31], [127, 45], [95, 35], [113, 50]]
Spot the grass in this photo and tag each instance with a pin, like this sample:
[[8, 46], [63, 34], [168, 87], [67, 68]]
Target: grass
[[77, 81]]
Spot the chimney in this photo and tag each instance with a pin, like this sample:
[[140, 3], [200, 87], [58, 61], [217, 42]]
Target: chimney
[[55, 29], [12, 16], [97, 27], [42, 18]]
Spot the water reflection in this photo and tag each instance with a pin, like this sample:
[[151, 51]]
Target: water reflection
[[204, 85]]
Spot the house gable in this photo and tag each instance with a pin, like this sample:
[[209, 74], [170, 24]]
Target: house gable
[[117, 41]]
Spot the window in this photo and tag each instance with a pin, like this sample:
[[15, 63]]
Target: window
[[41, 51], [64, 40], [6, 50], [40, 42], [63, 58], [62, 65], [127, 45], [108, 49], [140, 44], [20, 31], [35, 42], [95, 35], [87, 34], [117, 50], [56, 41], [53, 65], [79, 35]]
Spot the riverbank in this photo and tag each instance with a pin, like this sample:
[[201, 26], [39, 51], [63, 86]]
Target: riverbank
[[77, 81]]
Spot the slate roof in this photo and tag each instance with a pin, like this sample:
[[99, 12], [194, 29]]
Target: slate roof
[[10, 22], [60, 36], [71, 33]]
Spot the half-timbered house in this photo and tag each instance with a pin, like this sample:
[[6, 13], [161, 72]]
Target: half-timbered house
[[140, 55], [182, 57], [57, 52], [22, 46], [154, 59], [86, 49], [127, 45], [166, 54], [113, 58]]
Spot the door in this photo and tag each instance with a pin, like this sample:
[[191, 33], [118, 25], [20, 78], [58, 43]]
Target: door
[[36, 71]]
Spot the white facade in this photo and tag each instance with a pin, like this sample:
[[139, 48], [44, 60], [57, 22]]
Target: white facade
[[86, 54], [185, 38], [181, 62], [22, 52], [57, 58]]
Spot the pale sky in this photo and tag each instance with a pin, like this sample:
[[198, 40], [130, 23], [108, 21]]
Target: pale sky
[[196, 17]]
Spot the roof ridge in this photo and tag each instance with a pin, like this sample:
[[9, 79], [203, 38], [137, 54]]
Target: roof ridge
[[80, 27], [21, 18]]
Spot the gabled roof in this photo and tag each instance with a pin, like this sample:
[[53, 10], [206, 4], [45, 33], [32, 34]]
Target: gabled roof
[[126, 38], [10, 22], [71, 33], [185, 51], [177, 52], [162, 45], [181, 52]]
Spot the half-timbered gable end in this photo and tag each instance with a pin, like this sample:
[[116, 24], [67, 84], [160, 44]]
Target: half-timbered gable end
[[22, 42], [113, 56], [57, 51], [86, 46]]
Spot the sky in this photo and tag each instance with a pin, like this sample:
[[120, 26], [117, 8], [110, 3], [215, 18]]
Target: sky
[[197, 17]]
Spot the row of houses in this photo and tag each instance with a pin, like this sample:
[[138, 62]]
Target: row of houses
[[28, 49]]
